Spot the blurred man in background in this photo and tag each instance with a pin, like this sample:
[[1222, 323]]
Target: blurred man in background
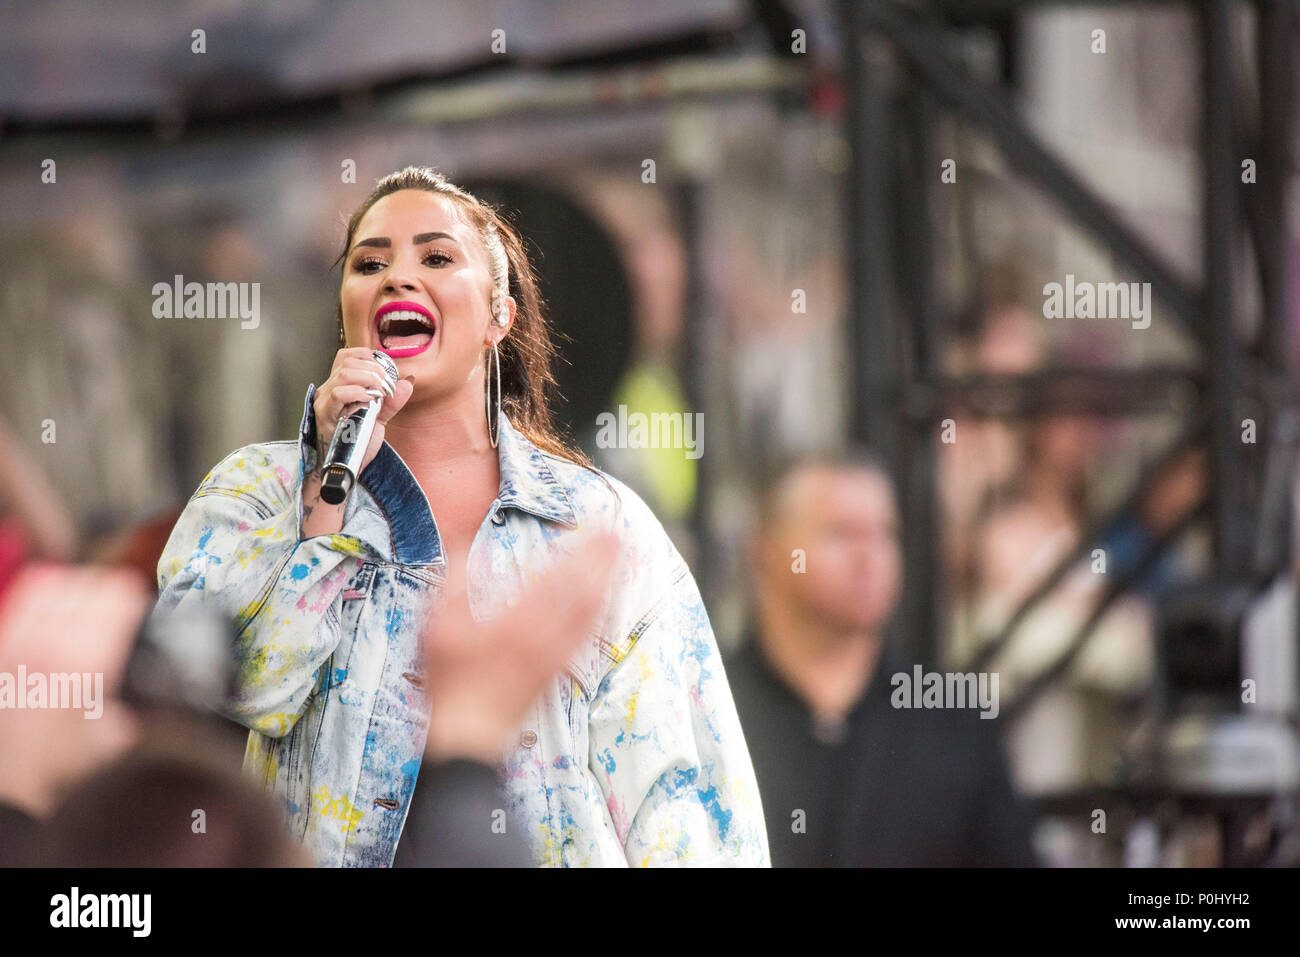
[[847, 779]]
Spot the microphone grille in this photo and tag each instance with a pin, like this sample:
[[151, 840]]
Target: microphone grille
[[388, 365]]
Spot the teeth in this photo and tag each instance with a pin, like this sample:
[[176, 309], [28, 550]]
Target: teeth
[[390, 317]]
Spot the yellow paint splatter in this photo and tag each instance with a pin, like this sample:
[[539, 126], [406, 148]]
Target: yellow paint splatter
[[245, 614], [275, 725], [671, 848], [259, 760], [550, 847], [338, 809], [346, 544]]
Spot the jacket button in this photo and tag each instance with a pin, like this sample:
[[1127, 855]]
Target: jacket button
[[498, 518], [528, 739]]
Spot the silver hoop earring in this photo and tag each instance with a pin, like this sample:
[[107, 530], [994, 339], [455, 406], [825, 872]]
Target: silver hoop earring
[[494, 425]]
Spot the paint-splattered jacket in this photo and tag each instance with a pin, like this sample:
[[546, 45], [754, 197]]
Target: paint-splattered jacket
[[633, 755]]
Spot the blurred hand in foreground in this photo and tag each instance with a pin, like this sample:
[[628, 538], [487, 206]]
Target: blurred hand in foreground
[[483, 676], [69, 628]]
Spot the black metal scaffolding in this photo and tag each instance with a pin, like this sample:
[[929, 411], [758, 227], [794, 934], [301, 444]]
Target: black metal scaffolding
[[899, 55]]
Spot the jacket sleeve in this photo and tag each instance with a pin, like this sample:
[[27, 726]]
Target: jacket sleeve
[[236, 551], [666, 744]]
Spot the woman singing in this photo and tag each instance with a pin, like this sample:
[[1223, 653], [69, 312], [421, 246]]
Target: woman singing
[[634, 754]]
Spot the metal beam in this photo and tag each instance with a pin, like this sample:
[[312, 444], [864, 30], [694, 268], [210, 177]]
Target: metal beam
[[1096, 392], [990, 110], [872, 329], [915, 479], [1117, 587], [1222, 180], [1275, 38], [989, 647]]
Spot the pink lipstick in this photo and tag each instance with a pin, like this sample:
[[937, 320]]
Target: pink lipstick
[[404, 329]]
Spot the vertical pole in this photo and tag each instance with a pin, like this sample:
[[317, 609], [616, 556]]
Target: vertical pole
[[1220, 225], [1276, 21], [916, 171], [870, 319], [872, 338], [695, 367]]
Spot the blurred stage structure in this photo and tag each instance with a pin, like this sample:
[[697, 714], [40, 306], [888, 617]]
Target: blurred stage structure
[[1210, 755], [885, 69]]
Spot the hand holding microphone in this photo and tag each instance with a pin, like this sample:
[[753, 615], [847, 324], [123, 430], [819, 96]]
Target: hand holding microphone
[[357, 383], [348, 448]]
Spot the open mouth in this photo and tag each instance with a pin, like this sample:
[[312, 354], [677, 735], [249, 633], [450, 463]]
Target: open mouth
[[405, 329]]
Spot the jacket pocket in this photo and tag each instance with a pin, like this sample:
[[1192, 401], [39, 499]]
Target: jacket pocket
[[302, 756], [303, 739], [353, 599], [260, 508], [578, 704]]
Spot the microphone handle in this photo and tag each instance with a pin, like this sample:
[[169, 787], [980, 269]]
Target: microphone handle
[[346, 452], [351, 439]]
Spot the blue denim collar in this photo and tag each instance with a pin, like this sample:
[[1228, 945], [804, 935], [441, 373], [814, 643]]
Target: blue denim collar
[[527, 484]]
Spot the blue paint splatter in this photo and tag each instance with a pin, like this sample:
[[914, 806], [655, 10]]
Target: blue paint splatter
[[394, 621], [299, 572], [206, 537], [683, 779], [607, 761], [709, 799]]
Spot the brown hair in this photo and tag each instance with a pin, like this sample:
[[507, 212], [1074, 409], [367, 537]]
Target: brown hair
[[527, 383], [776, 478], [138, 812]]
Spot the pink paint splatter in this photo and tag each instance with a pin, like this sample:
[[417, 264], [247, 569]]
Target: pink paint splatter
[[327, 591], [617, 815]]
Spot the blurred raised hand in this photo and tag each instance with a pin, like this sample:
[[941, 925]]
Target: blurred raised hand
[[483, 676]]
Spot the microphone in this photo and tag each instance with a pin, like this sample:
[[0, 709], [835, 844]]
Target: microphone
[[351, 439]]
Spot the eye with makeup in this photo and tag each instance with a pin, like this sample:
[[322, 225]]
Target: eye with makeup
[[362, 265]]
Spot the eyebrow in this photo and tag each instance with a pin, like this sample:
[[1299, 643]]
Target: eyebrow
[[384, 242]]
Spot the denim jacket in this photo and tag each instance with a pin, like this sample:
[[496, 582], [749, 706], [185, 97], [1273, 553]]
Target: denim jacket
[[633, 755]]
